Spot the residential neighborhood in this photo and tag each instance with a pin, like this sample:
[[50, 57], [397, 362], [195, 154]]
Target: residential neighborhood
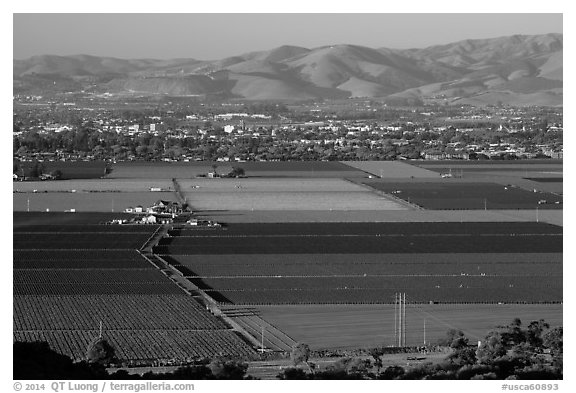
[[366, 131]]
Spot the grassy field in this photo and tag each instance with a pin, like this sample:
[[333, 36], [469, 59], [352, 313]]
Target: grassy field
[[392, 169], [358, 326], [86, 201], [248, 216]]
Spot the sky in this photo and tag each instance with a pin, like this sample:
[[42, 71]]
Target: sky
[[211, 36]]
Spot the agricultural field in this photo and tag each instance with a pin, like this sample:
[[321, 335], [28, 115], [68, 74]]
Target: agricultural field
[[282, 194], [88, 276], [308, 216], [69, 169], [78, 241], [78, 259], [95, 288], [369, 262], [468, 195], [86, 201], [370, 229], [190, 170], [494, 165], [342, 244], [117, 312], [315, 249], [86, 228], [237, 185], [392, 169], [526, 174], [546, 179], [444, 291], [325, 201], [365, 325], [67, 279], [363, 265], [146, 345], [93, 185], [23, 219]]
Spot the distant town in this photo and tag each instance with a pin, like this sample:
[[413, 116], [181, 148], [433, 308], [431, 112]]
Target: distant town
[[352, 129]]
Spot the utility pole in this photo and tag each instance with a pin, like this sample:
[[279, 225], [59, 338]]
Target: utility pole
[[100, 335], [484, 203], [28, 205], [262, 345], [404, 319], [400, 320], [395, 318], [537, 218], [424, 331]]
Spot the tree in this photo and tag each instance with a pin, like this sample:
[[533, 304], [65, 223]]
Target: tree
[[391, 372], [376, 354], [100, 351], [491, 349], [292, 374], [37, 169], [224, 368], [237, 172], [56, 174], [300, 354], [553, 339], [454, 339], [534, 335], [35, 360]]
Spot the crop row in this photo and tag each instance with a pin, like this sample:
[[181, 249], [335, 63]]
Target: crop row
[[370, 269], [362, 244], [30, 219], [91, 288], [92, 228], [92, 276], [150, 312], [375, 228], [401, 259], [402, 283], [139, 345], [386, 296], [461, 195], [79, 241], [79, 259]]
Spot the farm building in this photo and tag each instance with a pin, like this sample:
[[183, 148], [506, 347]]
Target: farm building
[[151, 219], [165, 207]]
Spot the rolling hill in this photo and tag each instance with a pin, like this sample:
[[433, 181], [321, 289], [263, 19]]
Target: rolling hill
[[519, 70]]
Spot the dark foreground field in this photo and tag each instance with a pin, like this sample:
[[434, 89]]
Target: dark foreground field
[[69, 279], [319, 263], [468, 195]]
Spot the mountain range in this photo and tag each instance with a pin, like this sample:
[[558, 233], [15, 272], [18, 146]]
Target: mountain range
[[514, 70]]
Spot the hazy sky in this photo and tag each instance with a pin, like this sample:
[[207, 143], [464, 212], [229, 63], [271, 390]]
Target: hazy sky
[[214, 36]]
